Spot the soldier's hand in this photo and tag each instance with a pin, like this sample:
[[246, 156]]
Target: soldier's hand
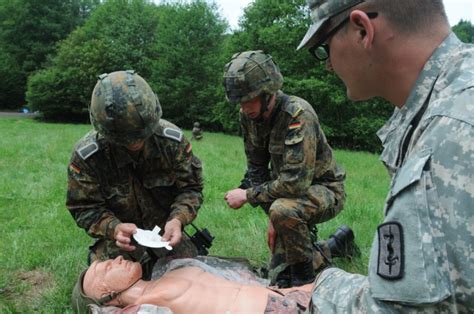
[[173, 232], [122, 235], [236, 198], [271, 235]]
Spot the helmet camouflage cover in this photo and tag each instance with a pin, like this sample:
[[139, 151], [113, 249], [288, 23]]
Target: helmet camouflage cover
[[124, 108], [250, 74]]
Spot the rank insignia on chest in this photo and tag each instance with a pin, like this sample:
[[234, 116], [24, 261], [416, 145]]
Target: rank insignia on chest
[[189, 148], [390, 256]]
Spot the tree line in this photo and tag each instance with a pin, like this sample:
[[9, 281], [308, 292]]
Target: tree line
[[52, 51]]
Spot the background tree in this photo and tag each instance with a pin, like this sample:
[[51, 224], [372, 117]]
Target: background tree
[[181, 49], [29, 31], [119, 35], [187, 73], [465, 31], [277, 28], [174, 46]]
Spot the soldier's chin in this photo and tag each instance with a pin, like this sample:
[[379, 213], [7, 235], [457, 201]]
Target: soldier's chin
[[255, 116]]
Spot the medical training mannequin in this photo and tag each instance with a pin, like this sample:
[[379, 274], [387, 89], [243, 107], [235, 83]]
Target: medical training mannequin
[[184, 290]]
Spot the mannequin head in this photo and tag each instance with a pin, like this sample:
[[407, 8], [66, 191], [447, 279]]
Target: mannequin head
[[111, 276], [103, 281]]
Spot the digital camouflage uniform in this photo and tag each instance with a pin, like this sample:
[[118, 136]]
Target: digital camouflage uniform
[[304, 186], [108, 185], [422, 256]]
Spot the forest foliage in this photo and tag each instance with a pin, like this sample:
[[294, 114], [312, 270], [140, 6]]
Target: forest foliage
[[52, 51]]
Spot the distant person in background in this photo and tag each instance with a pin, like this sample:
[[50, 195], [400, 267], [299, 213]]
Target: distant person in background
[[291, 171], [404, 51], [134, 170], [197, 132]]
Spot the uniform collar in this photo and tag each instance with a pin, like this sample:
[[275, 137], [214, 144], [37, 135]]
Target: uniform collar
[[393, 132], [123, 158]]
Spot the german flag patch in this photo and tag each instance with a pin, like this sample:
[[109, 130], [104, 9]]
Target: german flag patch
[[189, 148], [294, 125], [73, 168]]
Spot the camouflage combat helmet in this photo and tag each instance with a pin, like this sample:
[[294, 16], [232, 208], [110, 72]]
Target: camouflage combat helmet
[[124, 109], [196, 124], [250, 74]]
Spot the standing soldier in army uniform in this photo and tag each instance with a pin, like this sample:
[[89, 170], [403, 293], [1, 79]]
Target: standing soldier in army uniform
[[304, 187], [422, 257], [134, 170], [197, 132]]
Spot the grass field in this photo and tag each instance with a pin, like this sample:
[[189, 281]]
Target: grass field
[[42, 251]]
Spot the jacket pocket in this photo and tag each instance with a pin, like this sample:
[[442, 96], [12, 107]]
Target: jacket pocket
[[406, 242]]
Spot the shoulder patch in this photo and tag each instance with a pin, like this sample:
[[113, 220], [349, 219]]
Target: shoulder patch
[[173, 134], [297, 112], [294, 125], [391, 255], [74, 168], [189, 148], [88, 150], [294, 139], [293, 106]]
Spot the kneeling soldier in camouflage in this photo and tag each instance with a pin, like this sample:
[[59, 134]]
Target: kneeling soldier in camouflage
[[134, 170], [303, 186]]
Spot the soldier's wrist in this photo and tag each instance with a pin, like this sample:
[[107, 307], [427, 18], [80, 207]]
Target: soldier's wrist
[[110, 229], [250, 194], [180, 218]]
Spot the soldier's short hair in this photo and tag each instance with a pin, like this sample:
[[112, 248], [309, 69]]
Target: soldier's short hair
[[409, 16]]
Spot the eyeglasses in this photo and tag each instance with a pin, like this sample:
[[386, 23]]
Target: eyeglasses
[[321, 52]]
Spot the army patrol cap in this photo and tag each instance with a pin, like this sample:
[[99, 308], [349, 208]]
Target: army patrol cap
[[250, 74], [321, 12], [124, 108]]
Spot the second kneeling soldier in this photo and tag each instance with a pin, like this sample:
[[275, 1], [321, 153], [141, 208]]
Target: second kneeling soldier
[[291, 171]]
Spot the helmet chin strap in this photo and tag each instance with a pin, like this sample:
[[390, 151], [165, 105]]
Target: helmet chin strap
[[265, 102], [113, 295]]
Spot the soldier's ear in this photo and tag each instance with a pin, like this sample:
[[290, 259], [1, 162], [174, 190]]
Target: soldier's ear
[[363, 27]]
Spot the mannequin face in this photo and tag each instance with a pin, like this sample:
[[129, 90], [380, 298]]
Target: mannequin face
[[103, 278]]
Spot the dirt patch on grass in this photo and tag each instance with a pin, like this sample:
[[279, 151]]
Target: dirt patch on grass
[[28, 287]]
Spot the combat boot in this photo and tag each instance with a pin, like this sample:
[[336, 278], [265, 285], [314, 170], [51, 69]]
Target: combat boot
[[341, 243], [302, 273]]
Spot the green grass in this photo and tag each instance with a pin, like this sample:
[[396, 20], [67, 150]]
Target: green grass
[[42, 251]]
